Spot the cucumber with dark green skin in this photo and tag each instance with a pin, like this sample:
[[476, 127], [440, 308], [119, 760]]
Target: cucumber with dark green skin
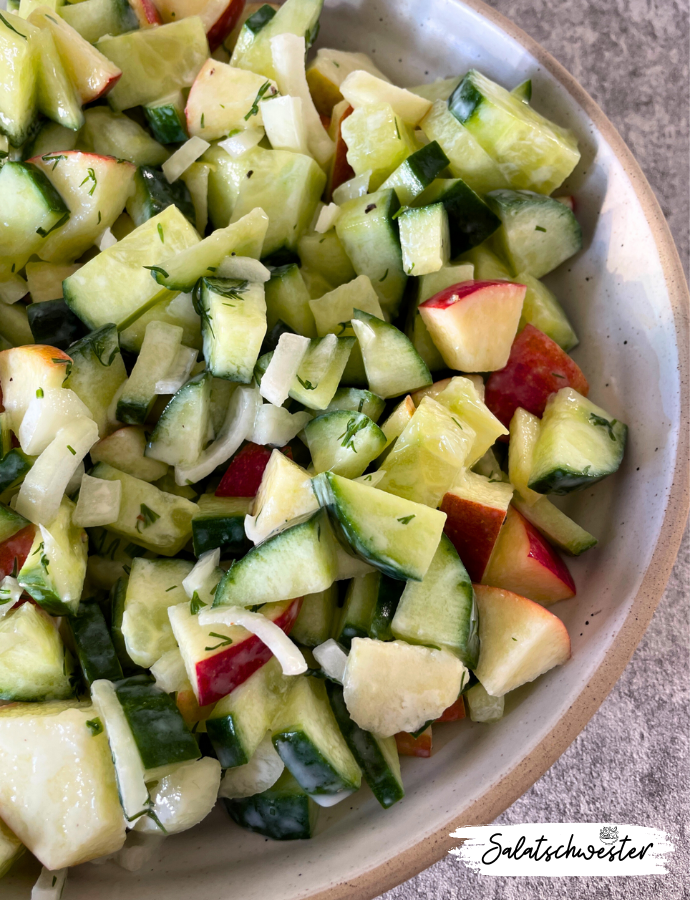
[[118, 593], [359, 400], [10, 523], [13, 467], [225, 530], [381, 777], [261, 17], [470, 220], [94, 646], [226, 741], [152, 194], [284, 812], [417, 172], [53, 322], [387, 599], [167, 121], [158, 728], [357, 611]]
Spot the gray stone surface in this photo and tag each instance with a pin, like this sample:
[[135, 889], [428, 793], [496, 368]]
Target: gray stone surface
[[630, 764]]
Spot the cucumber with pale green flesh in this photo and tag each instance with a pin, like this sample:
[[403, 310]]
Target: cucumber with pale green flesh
[[396, 536], [160, 346], [287, 299], [152, 194], [388, 594], [114, 134], [537, 233], [97, 372], [392, 364], [116, 285], [152, 518], [321, 370], [284, 812], [537, 154], [162, 738], [253, 48], [118, 593], [239, 721], [34, 664], [94, 18], [358, 609], [541, 309], [13, 467], [417, 172], [377, 757], [18, 92], [441, 610], [10, 523], [523, 91], [369, 233], [11, 848], [343, 442], [31, 208], [167, 120], [94, 646], [53, 322], [325, 255], [556, 527], [359, 401], [424, 239], [49, 138], [233, 325], [181, 432], [579, 444], [306, 735], [469, 218], [297, 561], [220, 524], [315, 619]]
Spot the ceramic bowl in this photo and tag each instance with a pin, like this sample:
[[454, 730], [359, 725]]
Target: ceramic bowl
[[626, 296]]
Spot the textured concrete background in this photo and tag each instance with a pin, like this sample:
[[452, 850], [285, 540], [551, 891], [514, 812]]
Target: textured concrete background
[[630, 764]]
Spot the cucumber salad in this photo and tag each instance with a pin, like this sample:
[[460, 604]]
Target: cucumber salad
[[283, 402]]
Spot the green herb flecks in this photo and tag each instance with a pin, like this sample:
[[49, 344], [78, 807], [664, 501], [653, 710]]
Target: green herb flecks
[[604, 423], [90, 176], [539, 228], [95, 726], [224, 641], [61, 221], [457, 423], [347, 437], [161, 235], [72, 450], [307, 385], [157, 270], [39, 393], [385, 275], [405, 520], [196, 603], [146, 517], [11, 27], [52, 158], [254, 108]]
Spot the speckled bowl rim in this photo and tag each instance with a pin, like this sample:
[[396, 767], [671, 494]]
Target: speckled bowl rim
[[526, 772]]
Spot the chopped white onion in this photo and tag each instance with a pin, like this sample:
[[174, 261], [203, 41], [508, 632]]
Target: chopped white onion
[[46, 414], [98, 503], [289, 53], [169, 672], [75, 481], [183, 798], [261, 772], [10, 594], [45, 483], [243, 267], [50, 884], [203, 577], [275, 426], [284, 124], [240, 143], [106, 240], [332, 659], [355, 187], [328, 216], [183, 157], [291, 660], [238, 425], [138, 849], [179, 371], [10, 639], [327, 800], [13, 289], [283, 367]]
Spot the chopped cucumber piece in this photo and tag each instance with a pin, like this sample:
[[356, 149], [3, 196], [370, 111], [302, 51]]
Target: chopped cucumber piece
[[425, 239], [417, 172], [392, 364], [325, 255], [441, 610], [299, 560], [393, 534], [183, 798], [152, 194], [284, 812], [470, 220], [388, 593], [11, 848], [49, 138], [18, 83], [97, 372], [94, 18], [118, 593], [253, 48], [181, 432], [285, 494], [10, 523], [233, 325], [167, 120], [315, 619], [306, 735], [359, 401], [541, 309], [487, 266], [378, 141], [33, 663], [482, 706], [124, 449], [358, 609], [161, 343], [465, 402], [259, 774], [114, 134], [53, 321], [579, 444], [320, 371], [524, 435], [537, 154], [56, 95], [556, 527], [538, 233], [94, 646], [220, 523], [287, 300], [523, 91], [343, 442]]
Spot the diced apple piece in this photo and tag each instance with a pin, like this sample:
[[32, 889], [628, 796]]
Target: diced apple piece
[[14, 550], [340, 170], [18, 87], [25, 370], [520, 640], [146, 13], [220, 99], [476, 509], [473, 324], [218, 663], [219, 17], [361, 88], [329, 69], [536, 368], [243, 476], [409, 745], [522, 560], [455, 712]]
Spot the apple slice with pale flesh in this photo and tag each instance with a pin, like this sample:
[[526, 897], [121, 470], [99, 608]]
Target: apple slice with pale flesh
[[476, 509], [218, 658], [473, 324], [520, 640], [522, 560], [219, 17], [537, 367], [25, 372], [146, 13]]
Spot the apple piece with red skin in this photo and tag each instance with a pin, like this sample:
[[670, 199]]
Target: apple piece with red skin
[[473, 324], [243, 476], [341, 170], [409, 745], [519, 640], [14, 551], [476, 510], [454, 713], [146, 13], [26, 369], [219, 17], [190, 710], [524, 561], [219, 658], [537, 367]]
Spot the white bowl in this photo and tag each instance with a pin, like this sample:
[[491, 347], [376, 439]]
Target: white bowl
[[627, 298]]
